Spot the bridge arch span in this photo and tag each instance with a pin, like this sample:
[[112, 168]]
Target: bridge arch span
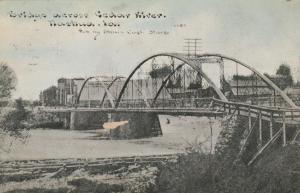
[[263, 77], [179, 57], [108, 88], [192, 62]]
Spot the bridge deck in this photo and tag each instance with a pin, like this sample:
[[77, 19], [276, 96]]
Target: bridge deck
[[210, 107], [164, 111]]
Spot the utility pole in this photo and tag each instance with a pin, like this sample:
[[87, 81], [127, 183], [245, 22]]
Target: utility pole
[[192, 47], [210, 154]]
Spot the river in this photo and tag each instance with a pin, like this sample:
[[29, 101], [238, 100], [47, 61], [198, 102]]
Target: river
[[179, 134]]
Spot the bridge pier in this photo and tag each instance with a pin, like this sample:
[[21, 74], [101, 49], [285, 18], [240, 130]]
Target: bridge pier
[[85, 120], [139, 125]]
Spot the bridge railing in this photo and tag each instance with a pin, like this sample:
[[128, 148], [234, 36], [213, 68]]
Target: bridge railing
[[182, 103], [270, 112], [91, 103], [207, 103], [188, 103], [150, 103], [269, 101], [132, 103], [213, 104]]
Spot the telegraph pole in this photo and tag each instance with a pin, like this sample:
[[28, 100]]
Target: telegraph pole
[[192, 47]]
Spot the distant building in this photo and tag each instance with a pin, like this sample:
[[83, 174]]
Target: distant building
[[253, 89], [253, 85], [68, 89], [93, 92], [48, 97], [239, 87], [244, 86], [64, 93]]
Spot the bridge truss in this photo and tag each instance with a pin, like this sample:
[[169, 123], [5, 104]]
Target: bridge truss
[[212, 84]]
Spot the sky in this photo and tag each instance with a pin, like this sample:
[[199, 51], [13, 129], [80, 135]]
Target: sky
[[261, 33]]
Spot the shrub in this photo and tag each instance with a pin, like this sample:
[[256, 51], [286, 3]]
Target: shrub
[[12, 119]]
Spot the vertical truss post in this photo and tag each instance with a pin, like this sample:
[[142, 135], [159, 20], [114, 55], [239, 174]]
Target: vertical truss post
[[283, 129], [173, 69], [259, 129], [62, 97], [237, 79], [271, 125], [249, 118], [184, 83], [132, 91], [252, 85], [163, 93], [154, 66], [154, 85], [188, 49], [274, 98], [138, 91], [199, 81], [221, 66], [89, 100], [195, 48], [98, 91], [256, 87]]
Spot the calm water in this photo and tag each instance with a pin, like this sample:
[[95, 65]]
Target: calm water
[[55, 144]]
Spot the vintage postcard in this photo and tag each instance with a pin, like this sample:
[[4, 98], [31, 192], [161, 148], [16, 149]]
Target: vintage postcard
[[149, 96]]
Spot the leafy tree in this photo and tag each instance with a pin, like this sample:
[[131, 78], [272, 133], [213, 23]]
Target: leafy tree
[[160, 72], [7, 80], [12, 121], [285, 71]]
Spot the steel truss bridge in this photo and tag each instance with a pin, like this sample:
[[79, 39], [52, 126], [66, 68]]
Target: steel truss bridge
[[199, 85]]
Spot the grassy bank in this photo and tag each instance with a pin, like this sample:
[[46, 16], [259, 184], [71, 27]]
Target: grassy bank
[[278, 171]]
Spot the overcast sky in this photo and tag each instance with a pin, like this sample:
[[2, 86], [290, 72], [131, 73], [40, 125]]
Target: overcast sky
[[261, 33]]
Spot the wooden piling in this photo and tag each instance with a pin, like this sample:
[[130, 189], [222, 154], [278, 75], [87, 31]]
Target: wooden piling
[[283, 129], [271, 125], [260, 130], [249, 118]]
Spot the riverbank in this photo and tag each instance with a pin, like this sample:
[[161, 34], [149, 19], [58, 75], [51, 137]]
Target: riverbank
[[124, 174]]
